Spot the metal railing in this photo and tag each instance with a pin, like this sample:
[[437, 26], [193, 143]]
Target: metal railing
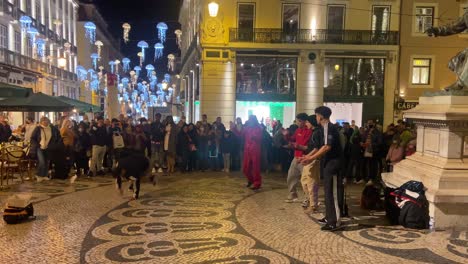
[[15, 59], [319, 36]]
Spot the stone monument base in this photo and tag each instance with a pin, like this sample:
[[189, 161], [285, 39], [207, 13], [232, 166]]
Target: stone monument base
[[441, 160]]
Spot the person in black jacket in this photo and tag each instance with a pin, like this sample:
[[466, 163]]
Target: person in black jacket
[[183, 148], [5, 130], [157, 143], [82, 152], [46, 144], [227, 147], [99, 140]]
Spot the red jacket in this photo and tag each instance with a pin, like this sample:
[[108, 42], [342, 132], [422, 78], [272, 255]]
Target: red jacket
[[301, 137]]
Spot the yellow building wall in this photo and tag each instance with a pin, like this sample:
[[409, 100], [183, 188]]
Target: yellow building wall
[[442, 48]]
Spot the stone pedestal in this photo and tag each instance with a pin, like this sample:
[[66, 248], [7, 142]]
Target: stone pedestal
[[441, 160]]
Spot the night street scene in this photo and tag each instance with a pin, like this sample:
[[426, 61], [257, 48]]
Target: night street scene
[[233, 132]]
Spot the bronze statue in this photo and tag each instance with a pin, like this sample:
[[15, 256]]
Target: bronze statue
[[459, 63]]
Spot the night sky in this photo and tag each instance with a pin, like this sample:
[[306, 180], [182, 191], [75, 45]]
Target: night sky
[[143, 15]]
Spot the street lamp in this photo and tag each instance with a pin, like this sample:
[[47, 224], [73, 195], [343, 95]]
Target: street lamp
[[213, 8], [62, 63]]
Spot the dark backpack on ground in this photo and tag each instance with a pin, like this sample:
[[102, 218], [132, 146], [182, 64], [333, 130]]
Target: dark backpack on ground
[[414, 212], [370, 198], [392, 211], [14, 215]]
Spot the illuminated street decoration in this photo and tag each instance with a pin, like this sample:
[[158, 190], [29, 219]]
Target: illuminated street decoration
[[25, 22], [126, 32], [112, 64], [162, 30], [149, 70], [137, 70], [95, 57], [167, 78], [90, 31], [32, 32], [99, 45], [126, 64], [81, 73], [158, 50], [170, 62], [143, 45], [178, 34], [40, 47], [67, 47]]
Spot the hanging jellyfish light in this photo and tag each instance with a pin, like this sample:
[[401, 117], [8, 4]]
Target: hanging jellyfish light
[[158, 50], [162, 29], [40, 47], [90, 31], [126, 32], [137, 70], [170, 62], [126, 64], [26, 22], [95, 57], [81, 73], [125, 82], [140, 55], [153, 82], [94, 85], [32, 32], [143, 45], [167, 78], [99, 45], [112, 64], [178, 34], [149, 70]]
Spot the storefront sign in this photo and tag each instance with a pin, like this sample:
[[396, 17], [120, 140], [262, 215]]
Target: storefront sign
[[406, 105]]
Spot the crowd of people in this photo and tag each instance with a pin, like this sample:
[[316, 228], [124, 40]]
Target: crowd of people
[[310, 150]]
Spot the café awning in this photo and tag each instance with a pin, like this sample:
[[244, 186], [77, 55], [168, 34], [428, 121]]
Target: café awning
[[80, 106], [13, 91], [35, 102]]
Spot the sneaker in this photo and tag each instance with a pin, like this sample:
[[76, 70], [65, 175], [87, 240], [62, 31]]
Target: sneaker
[[305, 203], [311, 210], [160, 170], [227, 171], [359, 182], [322, 221], [101, 173], [330, 228], [255, 188], [295, 200], [369, 183], [89, 174], [39, 178], [46, 178], [249, 184], [73, 179]]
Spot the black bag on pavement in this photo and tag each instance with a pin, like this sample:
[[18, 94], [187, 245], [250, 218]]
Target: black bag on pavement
[[14, 215]]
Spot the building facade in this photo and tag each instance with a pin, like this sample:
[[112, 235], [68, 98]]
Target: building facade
[[20, 64], [424, 60], [109, 51], [274, 58]]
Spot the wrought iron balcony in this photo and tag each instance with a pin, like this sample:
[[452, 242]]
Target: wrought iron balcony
[[15, 59], [319, 36]]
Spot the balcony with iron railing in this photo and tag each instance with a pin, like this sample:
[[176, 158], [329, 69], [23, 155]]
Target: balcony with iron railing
[[319, 36], [17, 60]]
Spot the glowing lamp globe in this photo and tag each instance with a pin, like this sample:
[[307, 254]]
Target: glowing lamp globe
[[213, 8]]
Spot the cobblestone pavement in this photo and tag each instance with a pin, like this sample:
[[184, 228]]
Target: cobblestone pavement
[[205, 218]]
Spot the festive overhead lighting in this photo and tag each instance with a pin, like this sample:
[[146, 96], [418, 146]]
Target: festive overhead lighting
[[126, 64], [213, 9], [90, 31], [112, 64], [99, 45], [149, 70], [40, 47], [162, 29], [26, 22], [143, 45], [178, 34], [170, 62], [158, 50], [32, 32], [126, 31], [95, 57], [67, 47], [167, 78], [137, 70], [81, 73]]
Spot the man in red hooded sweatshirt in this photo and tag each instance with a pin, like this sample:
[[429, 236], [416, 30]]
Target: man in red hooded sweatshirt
[[252, 134]]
